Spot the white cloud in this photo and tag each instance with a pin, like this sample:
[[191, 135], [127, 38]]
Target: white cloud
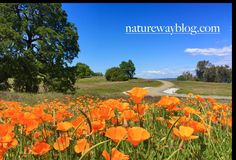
[[210, 51], [155, 72], [163, 73]]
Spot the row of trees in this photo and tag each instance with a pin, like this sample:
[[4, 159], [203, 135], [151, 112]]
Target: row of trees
[[37, 44], [206, 71], [124, 72], [84, 71]]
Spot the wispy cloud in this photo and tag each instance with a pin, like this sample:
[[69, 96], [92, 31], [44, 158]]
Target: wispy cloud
[[163, 73], [158, 72], [210, 51]]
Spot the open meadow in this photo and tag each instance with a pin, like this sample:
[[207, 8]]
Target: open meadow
[[204, 88], [95, 86], [117, 129]]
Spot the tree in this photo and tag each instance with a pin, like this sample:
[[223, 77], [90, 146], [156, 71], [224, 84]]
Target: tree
[[83, 70], [116, 74], [186, 76], [223, 74], [37, 43], [97, 74], [201, 68], [210, 74], [128, 68]]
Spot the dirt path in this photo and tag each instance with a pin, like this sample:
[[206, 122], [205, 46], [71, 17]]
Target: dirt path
[[158, 91]]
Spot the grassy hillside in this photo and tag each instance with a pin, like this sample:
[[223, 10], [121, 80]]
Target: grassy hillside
[[95, 86], [98, 86], [204, 88]]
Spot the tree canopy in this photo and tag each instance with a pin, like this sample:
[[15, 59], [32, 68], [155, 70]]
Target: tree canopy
[[128, 68], [37, 44], [116, 74], [124, 72], [208, 72], [83, 70]]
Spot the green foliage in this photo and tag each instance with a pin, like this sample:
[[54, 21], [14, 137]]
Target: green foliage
[[211, 73], [186, 76], [36, 45], [223, 74], [201, 67], [97, 74], [116, 74], [207, 72], [128, 68], [83, 70], [124, 72]]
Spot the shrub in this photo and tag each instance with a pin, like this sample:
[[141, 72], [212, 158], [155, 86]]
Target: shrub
[[186, 76], [116, 74]]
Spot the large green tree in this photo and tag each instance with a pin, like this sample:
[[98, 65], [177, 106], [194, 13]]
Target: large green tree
[[83, 70], [128, 68], [201, 68], [37, 44]]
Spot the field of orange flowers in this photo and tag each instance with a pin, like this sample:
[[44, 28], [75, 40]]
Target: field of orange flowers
[[117, 129]]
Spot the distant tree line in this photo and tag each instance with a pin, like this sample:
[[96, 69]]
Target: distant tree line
[[84, 71], [124, 72], [207, 72]]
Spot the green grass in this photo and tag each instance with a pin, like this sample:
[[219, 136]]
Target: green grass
[[95, 86], [98, 86], [204, 88]]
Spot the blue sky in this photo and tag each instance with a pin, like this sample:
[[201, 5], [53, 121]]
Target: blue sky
[[104, 44]]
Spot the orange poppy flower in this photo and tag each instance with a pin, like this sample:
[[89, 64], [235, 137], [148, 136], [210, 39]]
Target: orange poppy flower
[[137, 134], [83, 129], [129, 114], [61, 143], [226, 122], [98, 125], [40, 148], [115, 155], [30, 125], [12, 144], [113, 103], [7, 139], [189, 110], [124, 107], [211, 100], [185, 133], [6, 134], [199, 98], [197, 126], [106, 155], [47, 117], [137, 94], [116, 133], [168, 102], [77, 121], [81, 146], [140, 108], [64, 126], [105, 113]]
